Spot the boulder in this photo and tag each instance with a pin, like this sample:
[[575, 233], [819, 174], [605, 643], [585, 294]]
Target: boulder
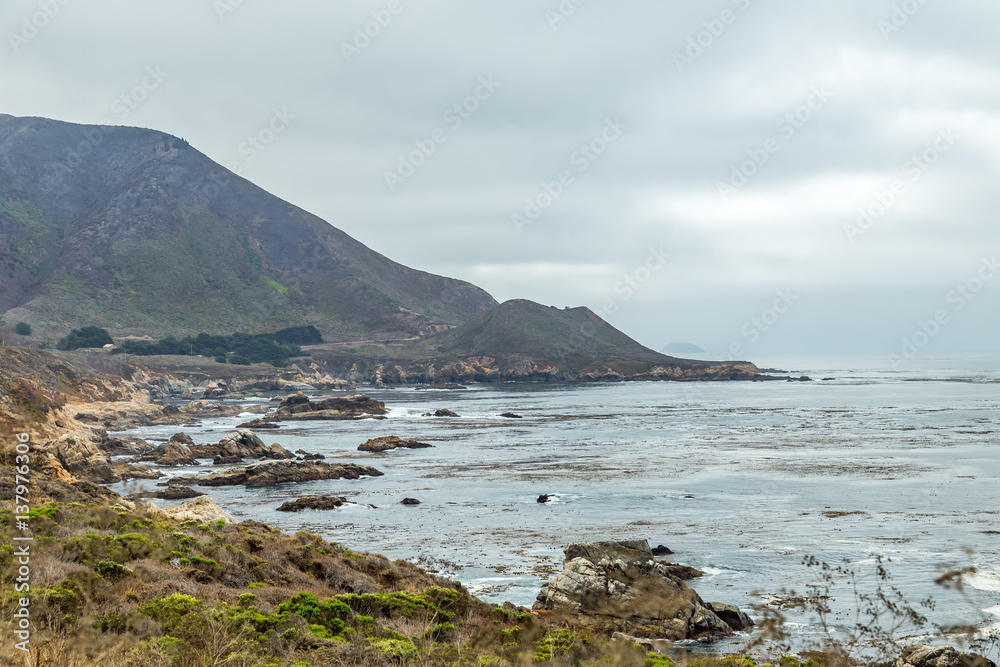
[[226, 460], [409, 501], [176, 492], [243, 444], [390, 442], [269, 473], [278, 452], [121, 445], [176, 454], [83, 459], [731, 614], [312, 503], [182, 438], [299, 407], [940, 656], [619, 587], [203, 510], [511, 415], [544, 498]]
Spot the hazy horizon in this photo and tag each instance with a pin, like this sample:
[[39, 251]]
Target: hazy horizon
[[695, 174]]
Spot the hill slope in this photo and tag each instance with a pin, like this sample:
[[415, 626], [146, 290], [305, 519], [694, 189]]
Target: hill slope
[[570, 337], [521, 340], [135, 231]]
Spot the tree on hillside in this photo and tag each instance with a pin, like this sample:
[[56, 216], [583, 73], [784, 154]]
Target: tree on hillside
[[22, 329], [85, 337]]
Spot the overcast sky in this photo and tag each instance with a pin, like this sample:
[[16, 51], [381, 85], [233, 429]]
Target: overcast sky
[[739, 137]]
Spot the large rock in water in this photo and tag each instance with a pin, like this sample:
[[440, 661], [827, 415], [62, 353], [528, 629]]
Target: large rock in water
[[298, 406], [242, 443], [386, 443], [940, 656], [619, 587], [269, 473]]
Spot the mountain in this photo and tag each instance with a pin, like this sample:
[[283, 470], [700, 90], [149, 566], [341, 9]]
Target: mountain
[[571, 337], [137, 232], [521, 340]]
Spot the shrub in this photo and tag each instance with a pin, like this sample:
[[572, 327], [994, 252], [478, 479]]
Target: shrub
[[111, 570], [22, 329]]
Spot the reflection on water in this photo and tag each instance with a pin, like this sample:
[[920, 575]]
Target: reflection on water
[[743, 480]]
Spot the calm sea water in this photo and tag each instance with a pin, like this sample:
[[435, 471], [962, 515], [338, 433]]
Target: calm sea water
[[743, 480]]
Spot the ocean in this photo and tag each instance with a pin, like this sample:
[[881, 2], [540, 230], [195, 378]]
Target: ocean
[[742, 480]]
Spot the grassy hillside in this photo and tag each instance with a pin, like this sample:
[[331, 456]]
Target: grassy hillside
[[145, 235]]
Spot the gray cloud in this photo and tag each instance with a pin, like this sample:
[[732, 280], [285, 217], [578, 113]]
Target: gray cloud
[[656, 186]]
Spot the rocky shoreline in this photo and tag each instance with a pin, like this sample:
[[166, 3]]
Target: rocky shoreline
[[618, 595]]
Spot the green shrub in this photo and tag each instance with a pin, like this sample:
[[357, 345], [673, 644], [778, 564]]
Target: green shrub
[[111, 570], [22, 329]]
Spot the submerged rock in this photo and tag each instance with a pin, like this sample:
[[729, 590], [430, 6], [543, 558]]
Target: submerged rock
[[269, 473], [511, 415], [544, 498], [409, 501], [312, 503], [390, 442], [259, 424], [619, 587], [441, 413]]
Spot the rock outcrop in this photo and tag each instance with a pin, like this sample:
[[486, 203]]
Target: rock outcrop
[[83, 459], [390, 442], [312, 503], [269, 473], [259, 424], [299, 407], [940, 656], [202, 510], [619, 587]]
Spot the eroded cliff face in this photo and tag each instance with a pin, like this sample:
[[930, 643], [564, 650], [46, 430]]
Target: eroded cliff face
[[63, 409]]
